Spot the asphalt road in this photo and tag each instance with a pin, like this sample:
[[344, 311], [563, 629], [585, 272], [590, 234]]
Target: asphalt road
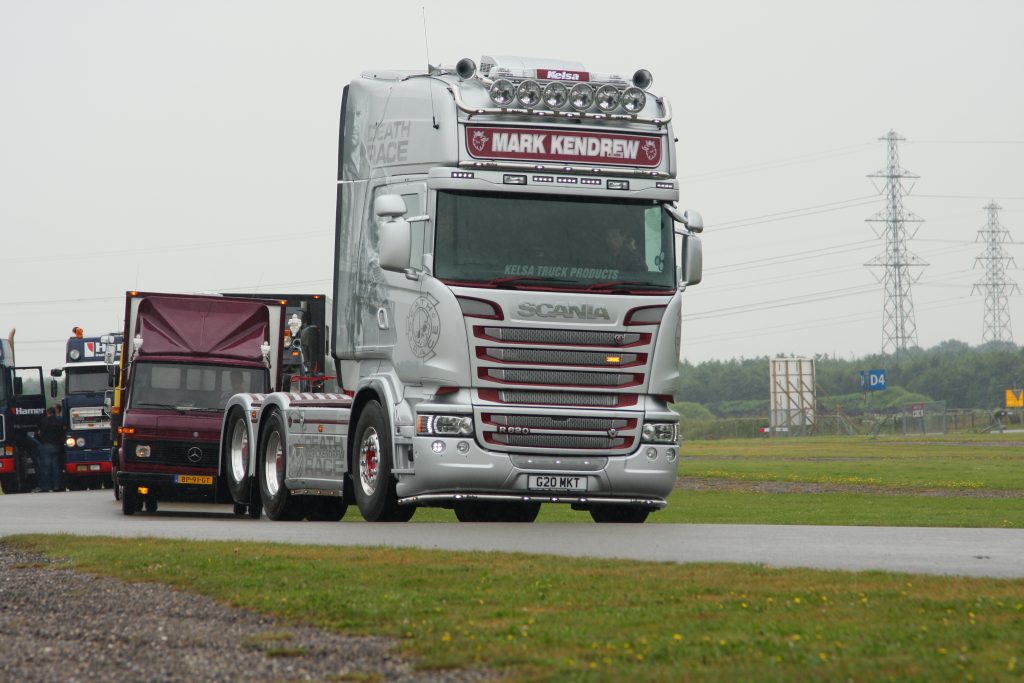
[[967, 552]]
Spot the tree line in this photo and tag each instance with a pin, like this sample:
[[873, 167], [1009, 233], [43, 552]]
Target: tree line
[[964, 377]]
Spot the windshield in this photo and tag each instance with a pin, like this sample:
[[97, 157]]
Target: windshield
[[196, 387], [86, 380], [589, 242]]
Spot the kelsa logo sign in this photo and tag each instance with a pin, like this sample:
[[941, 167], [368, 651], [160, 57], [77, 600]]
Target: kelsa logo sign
[[531, 144]]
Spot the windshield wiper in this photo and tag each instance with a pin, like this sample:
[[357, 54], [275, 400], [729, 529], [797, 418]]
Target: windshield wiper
[[626, 285], [512, 280]]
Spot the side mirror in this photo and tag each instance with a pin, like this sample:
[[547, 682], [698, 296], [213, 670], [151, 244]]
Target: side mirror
[[395, 243], [692, 260], [53, 388], [18, 386], [55, 372], [389, 206], [693, 221]]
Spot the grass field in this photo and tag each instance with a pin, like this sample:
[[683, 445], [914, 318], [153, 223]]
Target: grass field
[[559, 619], [958, 481]]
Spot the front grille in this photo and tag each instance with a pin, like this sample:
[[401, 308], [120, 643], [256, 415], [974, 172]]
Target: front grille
[[599, 359], [175, 453], [566, 441], [547, 422], [558, 398], [519, 335], [565, 378]]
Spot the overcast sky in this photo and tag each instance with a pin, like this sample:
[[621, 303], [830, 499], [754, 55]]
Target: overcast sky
[[192, 146]]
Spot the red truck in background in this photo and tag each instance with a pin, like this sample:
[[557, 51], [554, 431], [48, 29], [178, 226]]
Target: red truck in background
[[184, 356]]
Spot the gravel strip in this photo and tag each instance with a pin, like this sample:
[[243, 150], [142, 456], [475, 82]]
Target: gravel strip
[[60, 625]]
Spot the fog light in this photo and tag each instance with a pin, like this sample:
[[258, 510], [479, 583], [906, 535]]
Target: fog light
[[80, 442], [437, 447], [652, 453], [555, 95], [502, 92], [670, 455], [69, 442], [463, 447]]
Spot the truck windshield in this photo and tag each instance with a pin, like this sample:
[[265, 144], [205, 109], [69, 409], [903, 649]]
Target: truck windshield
[[197, 387], [591, 242], [86, 380]]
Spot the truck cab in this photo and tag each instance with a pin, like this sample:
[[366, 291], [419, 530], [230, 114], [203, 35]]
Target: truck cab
[[22, 407], [88, 367], [184, 357]]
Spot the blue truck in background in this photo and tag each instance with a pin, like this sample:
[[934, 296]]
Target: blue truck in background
[[88, 363]]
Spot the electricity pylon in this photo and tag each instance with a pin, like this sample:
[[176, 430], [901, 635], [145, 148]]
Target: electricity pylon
[[899, 330], [995, 285]]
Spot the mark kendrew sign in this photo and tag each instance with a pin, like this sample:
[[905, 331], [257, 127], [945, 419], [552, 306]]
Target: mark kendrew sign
[[577, 147]]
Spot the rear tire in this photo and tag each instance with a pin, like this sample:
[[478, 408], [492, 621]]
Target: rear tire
[[238, 451], [372, 481], [9, 484], [151, 504], [619, 514], [278, 501]]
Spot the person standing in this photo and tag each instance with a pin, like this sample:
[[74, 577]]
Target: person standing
[[51, 438]]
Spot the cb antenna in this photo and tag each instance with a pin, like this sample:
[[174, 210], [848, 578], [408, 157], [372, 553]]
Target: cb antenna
[[430, 68]]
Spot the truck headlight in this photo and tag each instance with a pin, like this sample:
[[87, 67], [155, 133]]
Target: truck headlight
[[444, 425], [69, 442], [660, 432], [142, 451], [80, 442]]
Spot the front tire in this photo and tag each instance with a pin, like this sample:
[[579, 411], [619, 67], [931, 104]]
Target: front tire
[[236, 464], [277, 499], [131, 501], [372, 481]]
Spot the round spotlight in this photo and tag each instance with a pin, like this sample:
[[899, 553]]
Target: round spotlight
[[555, 95], [437, 446], [607, 97], [462, 447], [502, 92], [80, 442], [74, 354], [466, 68], [643, 79], [652, 453], [528, 93], [581, 97], [633, 100]]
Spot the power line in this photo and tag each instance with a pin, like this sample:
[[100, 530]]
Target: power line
[[792, 213]]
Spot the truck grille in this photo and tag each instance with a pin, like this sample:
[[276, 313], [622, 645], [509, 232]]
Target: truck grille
[[565, 378], [176, 453], [569, 433], [599, 359], [520, 335], [558, 398]]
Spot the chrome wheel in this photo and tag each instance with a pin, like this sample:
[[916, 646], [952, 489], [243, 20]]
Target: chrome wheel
[[239, 451], [369, 461], [273, 463]]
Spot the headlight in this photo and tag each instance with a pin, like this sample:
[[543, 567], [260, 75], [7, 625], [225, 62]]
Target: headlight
[[555, 95], [660, 432], [528, 93], [142, 451], [581, 97], [607, 97], [80, 442], [69, 442], [502, 92], [444, 425], [633, 100]]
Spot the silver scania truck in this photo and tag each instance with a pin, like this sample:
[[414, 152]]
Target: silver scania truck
[[509, 264]]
